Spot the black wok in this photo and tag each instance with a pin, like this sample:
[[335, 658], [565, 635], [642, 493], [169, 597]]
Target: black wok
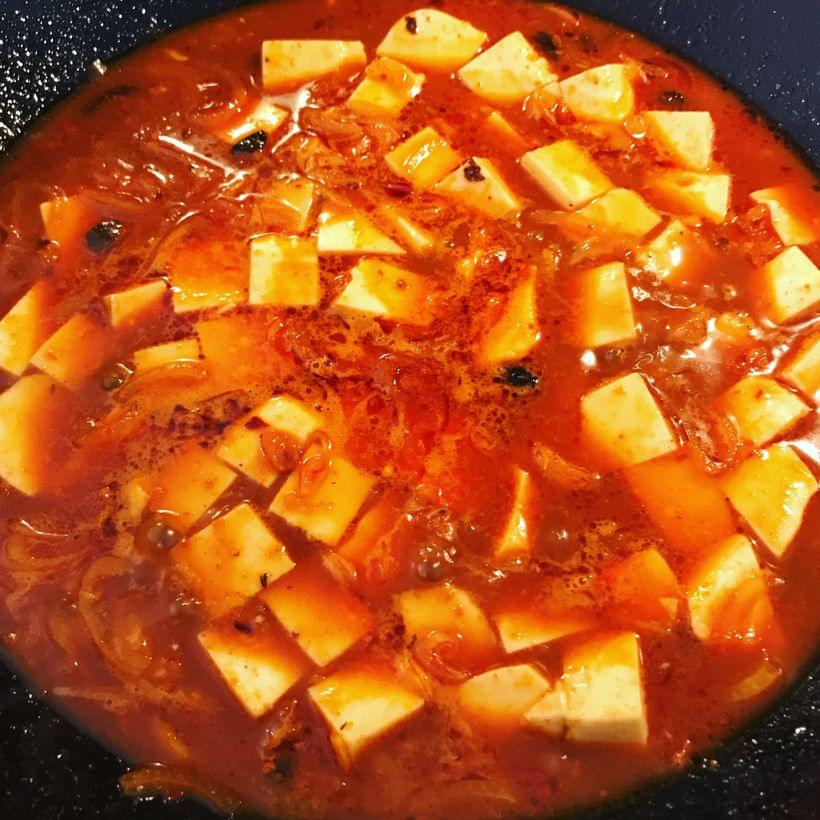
[[766, 50]]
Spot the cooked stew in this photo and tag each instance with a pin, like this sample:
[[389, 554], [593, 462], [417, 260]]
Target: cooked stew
[[408, 412]]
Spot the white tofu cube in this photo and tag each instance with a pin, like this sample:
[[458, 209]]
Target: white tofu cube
[[24, 328], [289, 204], [685, 137], [707, 196], [183, 350], [127, 308], [284, 271], [497, 125], [620, 211], [803, 369], [677, 256], [516, 537], [320, 615], [771, 491], [479, 184], [361, 703], [66, 220], [566, 173], [601, 310], [762, 409], [515, 331], [446, 609], [230, 560], [508, 71], [423, 159], [604, 689], [190, 484], [623, 423], [716, 578], [789, 285], [501, 697], [521, 629], [600, 94], [75, 352], [418, 239], [352, 233], [795, 221], [549, 714], [287, 64], [388, 86], [28, 409], [380, 289], [429, 38], [324, 509], [258, 666], [265, 116]]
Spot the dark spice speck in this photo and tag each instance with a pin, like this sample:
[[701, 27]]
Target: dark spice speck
[[241, 626], [472, 171], [103, 235], [411, 24], [251, 144], [518, 376], [672, 97], [547, 44]]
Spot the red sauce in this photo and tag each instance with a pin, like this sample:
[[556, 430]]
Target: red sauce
[[96, 606]]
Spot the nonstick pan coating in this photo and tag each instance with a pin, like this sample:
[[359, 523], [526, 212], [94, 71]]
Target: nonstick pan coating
[[764, 49]]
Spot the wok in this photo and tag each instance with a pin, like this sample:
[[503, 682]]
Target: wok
[[765, 50]]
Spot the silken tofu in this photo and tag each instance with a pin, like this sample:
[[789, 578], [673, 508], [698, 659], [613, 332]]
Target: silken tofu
[[423, 159], [323, 617], [257, 663], [231, 559], [564, 171], [168, 353], [499, 698], [326, 509], [352, 232], [284, 271], [789, 286], [428, 38], [266, 117], [508, 71], [803, 369], [771, 491], [515, 329], [387, 88], [25, 327], [601, 307], [130, 307], [685, 137], [287, 64], [623, 424], [692, 193], [795, 221], [361, 702], [600, 94], [521, 628], [478, 184], [620, 211], [516, 538]]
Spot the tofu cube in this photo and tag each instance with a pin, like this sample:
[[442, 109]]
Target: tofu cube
[[446, 609], [601, 310], [685, 137], [258, 666], [284, 271], [620, 211], [803, 369], [600, 94], [127, 308], [75, 352], [352, 233], [265, 116], [418, 239], [716, 578], [497, 125], [190, 484], [423, 159], [622, 423], [508, 71], [319, 614], [566, 173], [162, 355], [521, 629], [230, 560], [429, 38], [516, 537], [66, 220], [549, 714], [790, 286], [515, 331], [287, 64], [644, 591], [604, 691], [794, 216], [288, 205], [762, 409], [241, 447], [25, 327], [325, 509], [501, 697], [706, 196], [771, 491], [686, 503], [28, 410], [677, 256], [361, 703], [388, 86], [478, 184], [380, 289]]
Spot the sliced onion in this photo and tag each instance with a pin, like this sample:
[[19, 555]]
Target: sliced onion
[[172, 782]]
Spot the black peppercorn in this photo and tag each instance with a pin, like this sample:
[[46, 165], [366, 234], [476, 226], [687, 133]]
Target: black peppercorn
[[518, 376]]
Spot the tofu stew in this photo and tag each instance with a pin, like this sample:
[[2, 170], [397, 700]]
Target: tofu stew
[[408, 412]]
